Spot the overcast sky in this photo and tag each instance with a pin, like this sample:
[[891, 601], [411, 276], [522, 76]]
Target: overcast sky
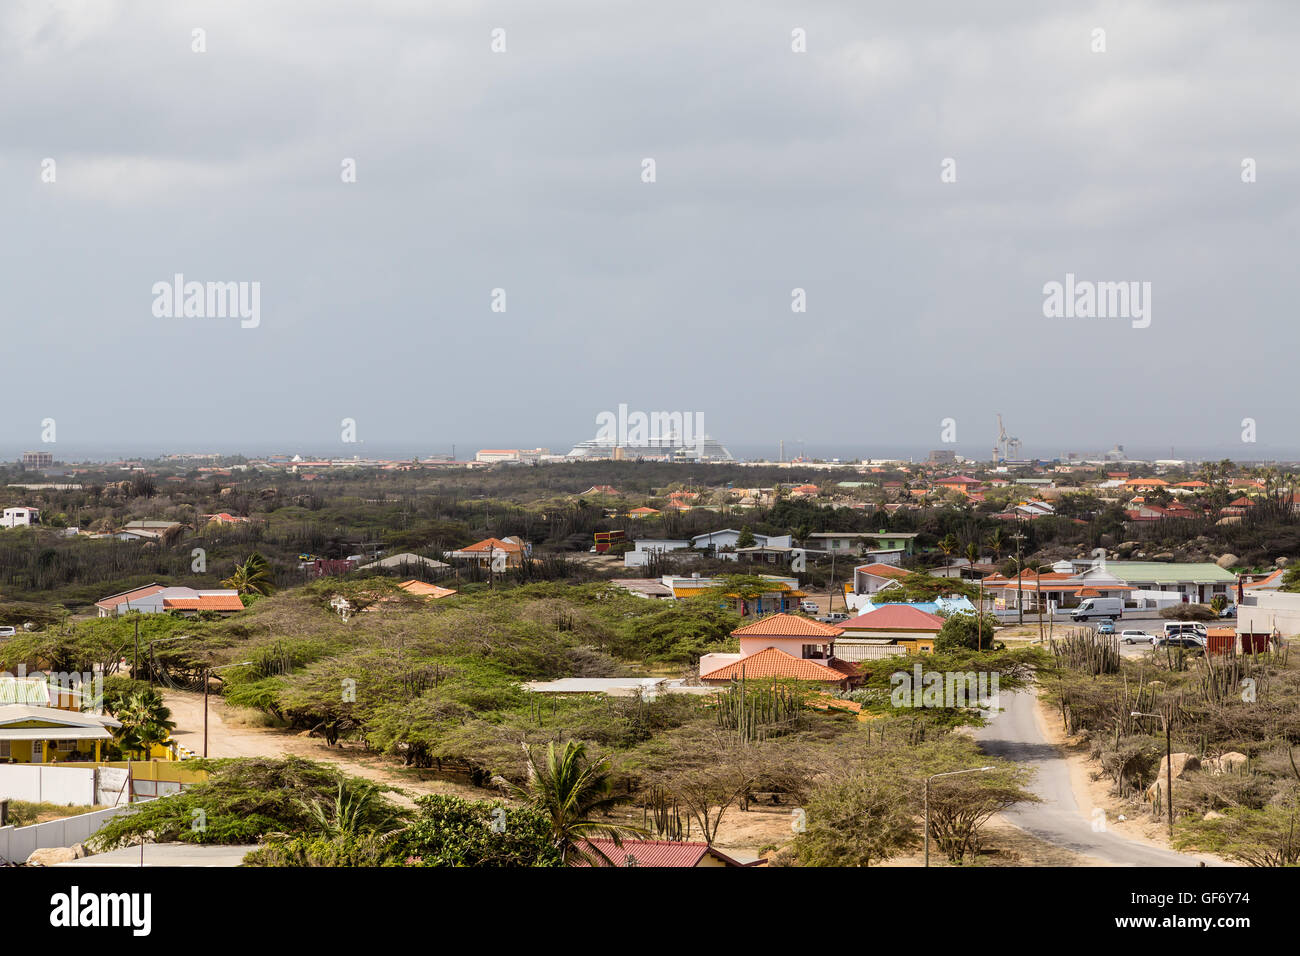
[[774, 170]]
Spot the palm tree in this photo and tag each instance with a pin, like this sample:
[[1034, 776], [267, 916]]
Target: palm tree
[[146, 721], [570, 791], [997, 541], [354, 812], [254, 576]]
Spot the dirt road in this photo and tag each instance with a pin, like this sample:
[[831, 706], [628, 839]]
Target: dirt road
[[227, 738]]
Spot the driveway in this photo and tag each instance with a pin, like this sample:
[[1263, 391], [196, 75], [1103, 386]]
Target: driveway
[[1017, 734]]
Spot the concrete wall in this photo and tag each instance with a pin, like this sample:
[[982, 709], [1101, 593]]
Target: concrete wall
[[17, 843], [41, 783], [1261, 612]]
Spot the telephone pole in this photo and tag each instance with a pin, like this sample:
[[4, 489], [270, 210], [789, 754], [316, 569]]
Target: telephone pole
[[1020, 578]]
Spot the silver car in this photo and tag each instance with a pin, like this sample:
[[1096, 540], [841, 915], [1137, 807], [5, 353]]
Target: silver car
[[1137, 637]]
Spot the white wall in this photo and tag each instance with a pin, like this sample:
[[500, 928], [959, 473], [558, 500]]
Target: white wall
[[37, 783], [1260, 612], [17, 843]]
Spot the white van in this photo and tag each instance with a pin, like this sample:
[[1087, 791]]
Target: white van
[[1186, 628], [1099, 607], [7, 632]]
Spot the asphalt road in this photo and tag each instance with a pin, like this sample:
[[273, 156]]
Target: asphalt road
[[1017, 734]]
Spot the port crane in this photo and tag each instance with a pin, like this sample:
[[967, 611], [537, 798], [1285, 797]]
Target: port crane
[[1006, 447]]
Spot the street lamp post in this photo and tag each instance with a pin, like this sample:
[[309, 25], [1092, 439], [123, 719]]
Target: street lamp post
[[1169, 766], [933, 776], [207, 671]]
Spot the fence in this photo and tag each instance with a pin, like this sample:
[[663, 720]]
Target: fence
[[18, 843]]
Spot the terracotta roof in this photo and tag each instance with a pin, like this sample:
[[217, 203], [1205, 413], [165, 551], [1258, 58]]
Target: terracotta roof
[[495, 544], [675, 853], [205, 602], [883, 570], [895, 617], [1270, 581], [773, 662], [421, 588], [786, 625]]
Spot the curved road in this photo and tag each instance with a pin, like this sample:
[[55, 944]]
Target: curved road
[[1017, 734]]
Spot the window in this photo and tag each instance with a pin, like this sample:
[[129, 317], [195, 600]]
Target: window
[[4, 749], [67, 746]]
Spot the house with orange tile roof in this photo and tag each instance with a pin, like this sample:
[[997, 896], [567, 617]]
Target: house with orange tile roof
[[1060, 587], [781, 646], [870, 578], [1148, 483], [511, 550], [775, 664], [642, 512], [160, 599]]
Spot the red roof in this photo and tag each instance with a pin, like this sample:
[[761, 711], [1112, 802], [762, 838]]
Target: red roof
[[895, 617], [205, 602], [114, 600], [786, 625], [773, 662], [654, 853]]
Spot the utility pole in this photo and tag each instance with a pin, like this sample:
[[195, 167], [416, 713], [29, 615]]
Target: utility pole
[[830, 597], [135, 663], [1169, 767], [205, 711], [1020, 578]]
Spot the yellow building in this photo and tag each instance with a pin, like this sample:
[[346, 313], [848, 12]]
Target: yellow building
[[34, 734]]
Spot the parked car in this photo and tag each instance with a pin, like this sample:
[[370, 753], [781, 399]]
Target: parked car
[[1137, 637], [1184, 641], [1229, 611], [7, 632], [1105, 626], [1185, 628], [835, 617], [809, 607]]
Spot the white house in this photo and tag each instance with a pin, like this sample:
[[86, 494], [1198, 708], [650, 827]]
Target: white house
[[646, 548], [19, 517], [727, 538]]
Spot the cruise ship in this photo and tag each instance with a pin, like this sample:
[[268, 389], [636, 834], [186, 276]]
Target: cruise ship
[[667, 448]]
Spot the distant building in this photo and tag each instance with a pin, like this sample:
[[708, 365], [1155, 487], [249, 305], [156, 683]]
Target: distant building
[[160, 599], [485, 553], [37, 459], [19, 517], [510, 456]]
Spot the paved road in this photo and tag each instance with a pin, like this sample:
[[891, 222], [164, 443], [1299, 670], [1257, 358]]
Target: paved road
[[1017, 734], [166, 854]]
